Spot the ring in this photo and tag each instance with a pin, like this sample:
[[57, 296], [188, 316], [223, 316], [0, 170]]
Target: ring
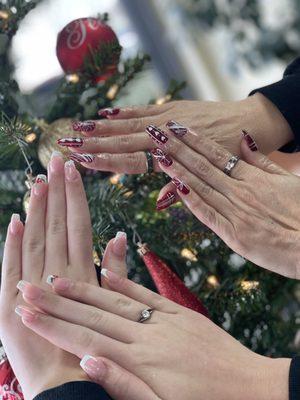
[[146, 314], [150, 167], [231, 164]]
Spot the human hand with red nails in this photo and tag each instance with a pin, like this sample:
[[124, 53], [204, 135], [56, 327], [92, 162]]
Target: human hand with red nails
[[56, 237], [118, 142], [254, 210]]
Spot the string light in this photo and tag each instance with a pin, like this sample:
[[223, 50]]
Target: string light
[[163, 100], [115, 179], [4, 14], [72, 78], [112, 92], [249, 285], [30, 138], [96, 258], [212, 280], [188, 254]]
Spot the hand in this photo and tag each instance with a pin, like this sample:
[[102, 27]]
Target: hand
[[118, 144], [255, 210], [58, 240], [176, 354]]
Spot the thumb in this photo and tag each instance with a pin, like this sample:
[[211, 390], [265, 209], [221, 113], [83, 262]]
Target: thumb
[[251, 155], [114, 257], [116, 381]]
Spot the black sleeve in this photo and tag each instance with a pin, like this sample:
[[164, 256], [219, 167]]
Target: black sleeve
[[79, 390], [285, 94], [294, 379]]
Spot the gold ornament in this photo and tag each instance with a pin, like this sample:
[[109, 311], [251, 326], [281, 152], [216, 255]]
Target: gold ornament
[[212, 280], [26, 200], [51, 133]]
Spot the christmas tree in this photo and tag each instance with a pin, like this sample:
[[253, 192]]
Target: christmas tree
[[257, 307]]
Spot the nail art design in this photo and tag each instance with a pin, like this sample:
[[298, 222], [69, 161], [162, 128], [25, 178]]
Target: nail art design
[[166, 201], [70, 142], [158, 135], [83, 126], [41, 179], [108, 111], [178, 129], [250, 141], [50, 279], [82, 158], [162, 157], [182, 187]]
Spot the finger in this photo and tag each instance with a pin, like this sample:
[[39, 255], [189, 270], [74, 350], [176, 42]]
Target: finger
[[12, 259], [86, 315], [115, 144], [56, 223], [73, 338], [167, 196], [206, 148], [119, 383], [130, 163], [114, 257], [134, 111], [33, 248], [80, 243], [257, 159]]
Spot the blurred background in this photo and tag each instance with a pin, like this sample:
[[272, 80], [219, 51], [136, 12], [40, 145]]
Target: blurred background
[[222, 48]]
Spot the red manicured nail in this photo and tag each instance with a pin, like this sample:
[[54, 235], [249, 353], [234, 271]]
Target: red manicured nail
[[105, 112], [83, 126], [180, 186], [162, 157], [166, 201], [70, 142], [178, 129], [158, 135], [82, 158], [250, 141]]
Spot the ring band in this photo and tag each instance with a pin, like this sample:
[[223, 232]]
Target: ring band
[[150, 167], [145, 315], [231, 163]]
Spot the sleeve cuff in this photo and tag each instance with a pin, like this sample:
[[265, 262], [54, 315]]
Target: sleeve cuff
[[79, 390], [294, 379]]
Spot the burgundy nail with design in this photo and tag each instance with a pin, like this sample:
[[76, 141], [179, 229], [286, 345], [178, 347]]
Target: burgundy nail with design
[[82, 158], [178, 129], [250, 141], [70, 142], [105, 112], [162, 157], [84, 126], [166, 201], [158, 135], [182, 187]]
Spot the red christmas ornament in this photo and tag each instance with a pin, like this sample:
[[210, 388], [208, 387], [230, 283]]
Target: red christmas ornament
[[9, 385], [168, 283], [79, 40]]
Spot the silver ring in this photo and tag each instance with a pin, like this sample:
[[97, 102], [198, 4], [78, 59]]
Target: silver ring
[[231, 163], [146, 314], [150, 167]]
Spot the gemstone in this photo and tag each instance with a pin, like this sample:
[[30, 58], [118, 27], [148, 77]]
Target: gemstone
[[146, 314]]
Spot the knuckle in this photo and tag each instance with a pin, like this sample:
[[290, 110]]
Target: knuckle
[[123, 142], [138, 124], [96, 318], [202, 167], [219, 155], [210, 217], [122, 302], [204, 189], [57, 225], [81, 229], [34, 245], [85, 340], [135, 163]]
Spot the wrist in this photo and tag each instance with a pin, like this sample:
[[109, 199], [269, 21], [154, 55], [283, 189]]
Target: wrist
[[265, 123]]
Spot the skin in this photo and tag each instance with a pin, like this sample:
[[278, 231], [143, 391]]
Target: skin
[[56, 237], [119, 142]]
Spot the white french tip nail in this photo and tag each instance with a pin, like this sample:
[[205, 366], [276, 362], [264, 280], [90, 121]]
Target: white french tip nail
[[50, 279], [69, 163], [56, 153], [15, 217], [21, 285], [85, 359], [104, 272], [41, 178], [119, 235], [18, 311]]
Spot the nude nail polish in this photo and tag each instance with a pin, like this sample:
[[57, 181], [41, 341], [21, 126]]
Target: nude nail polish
[[70, 142], [25, 313], [110, 275], [15, 225], [166, 201], [182, 187], [250, 141], [56, 164], [71, 172], [82, 158], [178, 129], [83, 126], [120, 244], [156, 134], [162, 157], [105, 112], [93, 366]]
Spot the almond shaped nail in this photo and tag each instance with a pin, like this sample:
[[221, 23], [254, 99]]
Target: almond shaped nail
[[181, 186], [178, 129], [82, 158], [70, 142], [105, 112], [157, 134], [162, 157], [166, 201], [83, 126]]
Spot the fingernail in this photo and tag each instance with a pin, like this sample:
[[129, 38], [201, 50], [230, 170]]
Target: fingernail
[[166, 201], [119, 244], [109, 275], [162, 157], [25, 313], [50, 279], [157, 134], [56, 164], [82, 158], [15, 224], [105, 112], [250, 141], [30, 291], [83, 126], [178, 129], [182, 187], [93, 366], [39, 188], [70, 142], [62, 283], [71, 171], [21, 285], [41, 179]]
